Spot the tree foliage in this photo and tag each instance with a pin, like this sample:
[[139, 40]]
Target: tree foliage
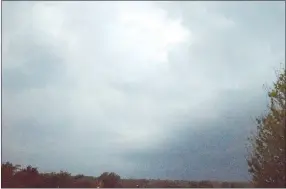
[[205, 184], [267, 156], [8, 171], [110, 180], [13, 176]]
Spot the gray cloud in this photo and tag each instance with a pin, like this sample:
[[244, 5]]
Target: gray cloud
[[145, 89]]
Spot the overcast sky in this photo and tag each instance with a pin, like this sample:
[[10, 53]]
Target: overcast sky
[[145, 89]]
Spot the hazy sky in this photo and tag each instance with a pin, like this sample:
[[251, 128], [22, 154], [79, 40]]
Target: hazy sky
[[144, 89]]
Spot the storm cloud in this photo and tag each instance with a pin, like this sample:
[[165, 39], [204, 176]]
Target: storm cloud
[[144, 89]]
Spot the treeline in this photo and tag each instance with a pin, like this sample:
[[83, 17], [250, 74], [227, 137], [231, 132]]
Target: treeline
[[14, 176]]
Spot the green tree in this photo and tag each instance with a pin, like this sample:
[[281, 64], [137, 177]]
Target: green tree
[[266, 160]]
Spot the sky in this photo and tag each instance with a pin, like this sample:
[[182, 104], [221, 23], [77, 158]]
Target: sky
[[145, 89]]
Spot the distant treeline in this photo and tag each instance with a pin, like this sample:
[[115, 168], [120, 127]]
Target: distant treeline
[[14, 176]]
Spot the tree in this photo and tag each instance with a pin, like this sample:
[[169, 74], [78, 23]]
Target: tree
[[193, 184], [79, 176], [28, 177], [266, 160], [110, 180], [205, 184], [8, 171], [64, 179]]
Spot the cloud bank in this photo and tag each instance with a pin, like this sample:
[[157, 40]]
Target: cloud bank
[[144, 89]]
